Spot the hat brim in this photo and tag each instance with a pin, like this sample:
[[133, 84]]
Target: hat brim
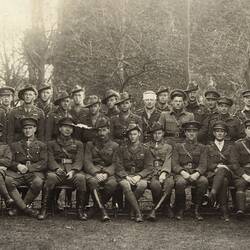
[[123, 100], [162, 91], [57, 101], [40, 90], [136, 128], [217, 95], [228, 104], [89, 105], [21, 92], [104, 100], [67, 124]]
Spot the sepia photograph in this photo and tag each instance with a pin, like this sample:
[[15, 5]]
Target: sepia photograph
[[124, 124]]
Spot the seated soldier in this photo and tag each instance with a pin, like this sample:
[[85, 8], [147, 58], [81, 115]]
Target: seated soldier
[[134, 164], [242, 174], [221, 158], [65, 162], [28, 167], [5, 162], [162, 182], [189, 163], [98, 164]]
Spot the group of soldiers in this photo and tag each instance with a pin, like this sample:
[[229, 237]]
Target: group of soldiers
[[103, 147]]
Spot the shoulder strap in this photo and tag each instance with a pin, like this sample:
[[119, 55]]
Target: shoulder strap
[[245, 146], [186, 151]]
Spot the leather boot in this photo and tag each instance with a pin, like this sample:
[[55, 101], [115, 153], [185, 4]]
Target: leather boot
[[180, 200], [197, 213], [29, 197], [9, 202], [80, 201], [104, 215], [167, 208], [31, 212], [134, 205], [212, 197], [152, 215], [43, 212], [241, 203], [225, 214]]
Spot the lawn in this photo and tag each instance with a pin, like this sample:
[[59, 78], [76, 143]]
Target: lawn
[[62, 232]]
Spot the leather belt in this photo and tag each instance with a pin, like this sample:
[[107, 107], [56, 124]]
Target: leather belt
[[66, 161], [177, 134]]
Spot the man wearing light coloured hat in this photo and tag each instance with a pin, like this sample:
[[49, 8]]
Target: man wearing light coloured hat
[[149, 114]]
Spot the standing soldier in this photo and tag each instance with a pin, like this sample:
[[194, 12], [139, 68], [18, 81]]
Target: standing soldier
[[99, 166], [65, 162], [149, 114], [162, 99], [221, 157], [28, 167], [110, 99], [6, 94], [189, 163], [78, 109], [242, 174], [120, 122], [172, 120], [162, 182], [63, 104], [28, 94], [244, 114], [193, 106], [134, 164]]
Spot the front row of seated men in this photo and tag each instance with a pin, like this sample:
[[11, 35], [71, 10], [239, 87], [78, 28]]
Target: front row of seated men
[[103, 165]]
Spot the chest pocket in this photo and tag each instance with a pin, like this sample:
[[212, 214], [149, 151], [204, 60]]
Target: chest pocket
[[171, 126], [35, 152]]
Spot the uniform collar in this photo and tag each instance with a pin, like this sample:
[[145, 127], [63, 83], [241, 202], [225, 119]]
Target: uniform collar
[[183, 112]]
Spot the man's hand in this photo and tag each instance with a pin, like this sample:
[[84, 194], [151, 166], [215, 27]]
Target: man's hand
[[60, 172], [99, 177], [3, 168], [105, 176], [162, 177], [246, 177], [185, 174], [22, 168], [129, 179], [194, 176], [70, 174], [135, 179]]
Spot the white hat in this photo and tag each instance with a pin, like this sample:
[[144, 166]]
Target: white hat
[[149, 95]]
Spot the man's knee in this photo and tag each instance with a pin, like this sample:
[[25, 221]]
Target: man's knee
[[51, 180], [111, 185], [240, 184], [155, 186], [93, 183], [202, 182], [141, 185], [37, 184], [125, 185], [180, 183], [10, 183], [80, 181]]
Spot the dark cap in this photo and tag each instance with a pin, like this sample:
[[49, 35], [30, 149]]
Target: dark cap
[[92, 100], [44, 86], [246, 93], [192, 86], [109, 93], [162, 89], [102, 122], [225, 100], [29, 121], [68, 121], [155, 127], [61, 96], [212, 94], [133, 126], [123, 97], [26, 88], [7, 91], [247, 123], [76, 89], [191, 125], [178, 92], [220, 125]]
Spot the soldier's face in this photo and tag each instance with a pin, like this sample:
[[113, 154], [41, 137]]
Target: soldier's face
[[29, 96], [134, 136], [6, 100], [158, 135], [211, 103], [178, 102], [94, 109], [191, 134], [29, 131], [103, 133], [125, 106], [66, 130], [163, 97], [223, 108], [247, 131], [192, 95], [149, 103], [79, 97], [219, 134], [111, 102], [65, 104], [247, 101], [46, 95]]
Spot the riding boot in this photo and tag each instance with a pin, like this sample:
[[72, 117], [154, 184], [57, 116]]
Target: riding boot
[[241, 203], [104, 214], [180, 200], [43, 212], [80, 201]]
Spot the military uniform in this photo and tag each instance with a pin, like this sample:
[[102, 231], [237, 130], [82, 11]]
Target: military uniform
[[108, 94], [199, 110], [162, 107], [243, 114], [4, 119]]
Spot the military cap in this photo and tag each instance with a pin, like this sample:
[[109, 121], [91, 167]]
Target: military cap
[[109, 93], [220, 125], [92, 100], [191, 125], [7, 91], [247, 123], [44, 86], [162, 89], [123, 97], [178, 92], [211, 94], [225, 100], [61, 96], [66, 121], [193, 86], [133, 126], [29, 121], [246, 93], [28, 87], [155, 127], [102, 122], [76, 89]]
